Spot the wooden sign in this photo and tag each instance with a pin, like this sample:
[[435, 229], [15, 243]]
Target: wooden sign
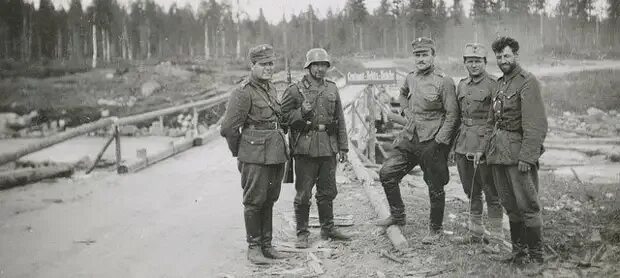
[[372, 76]]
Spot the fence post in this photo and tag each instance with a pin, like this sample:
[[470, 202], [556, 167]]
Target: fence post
[[121, 169], [372, 141]]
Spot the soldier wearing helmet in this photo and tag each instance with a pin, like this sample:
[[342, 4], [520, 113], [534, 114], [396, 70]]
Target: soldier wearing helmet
[[474, 99], [428, 102], [252, 126], [317, 136]]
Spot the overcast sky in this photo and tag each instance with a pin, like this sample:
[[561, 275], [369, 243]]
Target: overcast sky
[[273, 9]]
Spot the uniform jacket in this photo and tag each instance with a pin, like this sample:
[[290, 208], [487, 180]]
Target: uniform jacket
[[252, 127], [428, 100], [327, 109], [474, 99], [517, 123]]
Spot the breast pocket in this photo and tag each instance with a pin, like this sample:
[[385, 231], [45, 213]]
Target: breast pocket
[[330, 104], [431, 98], [480, 101], [512, 101], [261, 109]]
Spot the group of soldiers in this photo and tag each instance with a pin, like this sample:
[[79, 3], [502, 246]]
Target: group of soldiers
[[493, 128]]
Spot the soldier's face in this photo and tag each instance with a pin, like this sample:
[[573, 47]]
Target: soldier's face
[[262, 70], [423, 59], [475, 66], [318, 70], [506, 60]]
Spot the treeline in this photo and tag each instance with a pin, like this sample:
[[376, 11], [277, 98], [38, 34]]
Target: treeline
[[105, 31]]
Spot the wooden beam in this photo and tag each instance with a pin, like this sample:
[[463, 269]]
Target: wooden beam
[[55, 139]]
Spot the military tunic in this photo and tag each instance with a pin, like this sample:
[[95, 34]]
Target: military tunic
[[315, 137], [516, 129], [474, 99], [253, 131], [428, 100]]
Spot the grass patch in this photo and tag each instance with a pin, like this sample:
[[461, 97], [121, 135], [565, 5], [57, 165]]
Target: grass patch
[[576, 92]]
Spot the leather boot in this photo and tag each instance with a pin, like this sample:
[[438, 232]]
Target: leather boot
[[519, 254], [253, 221], [476, 228], [302, 214], [438, 204], [494, 225], [395, 201], [533, 240], [326, 218], [432, 237], [389, 221], [267, 233]]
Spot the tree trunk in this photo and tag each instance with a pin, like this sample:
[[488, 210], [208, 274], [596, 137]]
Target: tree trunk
[[148, 39], [207, 52], [311, 33], [59, 52], [238, 49], [191, 47], [94, 46], [223, 43], [108, 51], [384, 42]]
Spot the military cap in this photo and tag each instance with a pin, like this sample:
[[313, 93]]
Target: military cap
[[261, 54], [423, 44], [475, 50]]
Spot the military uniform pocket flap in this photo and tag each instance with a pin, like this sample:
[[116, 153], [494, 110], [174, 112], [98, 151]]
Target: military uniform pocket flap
[[479, 95], [252, 140]]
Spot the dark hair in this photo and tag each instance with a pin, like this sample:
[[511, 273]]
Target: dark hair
[[501, 43], [485, 59]]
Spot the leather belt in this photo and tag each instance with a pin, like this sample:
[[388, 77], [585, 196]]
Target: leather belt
[[265, 126]]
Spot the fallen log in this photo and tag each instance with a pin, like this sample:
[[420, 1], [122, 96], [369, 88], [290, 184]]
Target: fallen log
[[25, 176], [393, 232], [55, 139]]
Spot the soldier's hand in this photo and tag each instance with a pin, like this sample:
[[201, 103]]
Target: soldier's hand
[[524, 167], [478, 158], [306, 107], [342, 157]]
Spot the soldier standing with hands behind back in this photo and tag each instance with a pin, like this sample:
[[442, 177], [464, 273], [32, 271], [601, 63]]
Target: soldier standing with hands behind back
[[474, 99], [516, 129], [252, 127], [318, 132]]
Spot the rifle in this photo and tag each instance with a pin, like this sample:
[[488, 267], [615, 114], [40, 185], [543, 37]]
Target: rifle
[[289, 169]]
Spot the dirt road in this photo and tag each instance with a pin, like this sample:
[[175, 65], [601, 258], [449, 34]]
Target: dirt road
[[180, 218]]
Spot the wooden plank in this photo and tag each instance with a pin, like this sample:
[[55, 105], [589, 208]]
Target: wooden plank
[[372, 112]]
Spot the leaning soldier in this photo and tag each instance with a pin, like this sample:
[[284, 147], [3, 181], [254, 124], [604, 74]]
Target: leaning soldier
[[252, 127], [516, 129], [318, 133], [474, 98], [428, 101]]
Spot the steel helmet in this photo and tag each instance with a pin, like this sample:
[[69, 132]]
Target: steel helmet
[[316, 55]]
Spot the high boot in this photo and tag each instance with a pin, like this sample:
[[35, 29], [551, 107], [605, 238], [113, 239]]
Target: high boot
[[494, 225], [267, 233], [253, 227], [438, 202], [533, 239], [397, 208], [326, 218], [519, 253], [302, 214]]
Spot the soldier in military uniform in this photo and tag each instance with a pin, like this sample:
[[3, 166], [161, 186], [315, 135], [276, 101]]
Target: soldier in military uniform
[[252, 127], [474, 99], [314, 113], [428, 102], [516, 129]]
